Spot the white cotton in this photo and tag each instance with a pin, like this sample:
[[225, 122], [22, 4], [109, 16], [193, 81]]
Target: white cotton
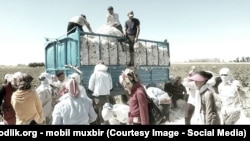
[[107, 114], [116, 114], [159, 95], [121, 111], [146, 53]]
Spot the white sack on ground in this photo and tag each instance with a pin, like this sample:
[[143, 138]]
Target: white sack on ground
[[116, 114]]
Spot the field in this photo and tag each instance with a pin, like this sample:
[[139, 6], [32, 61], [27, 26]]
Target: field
[[35, 72], [240, 71]]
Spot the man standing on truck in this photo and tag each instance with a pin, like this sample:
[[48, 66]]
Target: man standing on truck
[[78, 21], [112, 19], [132, 31]]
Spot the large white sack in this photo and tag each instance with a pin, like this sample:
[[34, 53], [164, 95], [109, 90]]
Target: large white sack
[[115, 114]]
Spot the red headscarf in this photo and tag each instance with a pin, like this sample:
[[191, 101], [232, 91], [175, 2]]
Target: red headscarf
[[71, 87]]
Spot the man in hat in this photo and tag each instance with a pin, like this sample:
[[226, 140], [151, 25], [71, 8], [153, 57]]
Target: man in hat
[[132, 31], [112, 19], [78, 21]]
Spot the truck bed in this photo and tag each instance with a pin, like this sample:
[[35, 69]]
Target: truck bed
[[85, 49]]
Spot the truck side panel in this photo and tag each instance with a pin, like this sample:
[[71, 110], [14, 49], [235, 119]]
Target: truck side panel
[[69, 50]]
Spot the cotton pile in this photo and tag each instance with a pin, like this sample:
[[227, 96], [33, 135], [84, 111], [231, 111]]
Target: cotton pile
[[108, 49]]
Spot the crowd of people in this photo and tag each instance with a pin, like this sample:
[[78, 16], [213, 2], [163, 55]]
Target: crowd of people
[[61, 99]]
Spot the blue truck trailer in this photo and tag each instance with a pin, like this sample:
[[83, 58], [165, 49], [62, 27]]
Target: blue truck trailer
[[82, 50]]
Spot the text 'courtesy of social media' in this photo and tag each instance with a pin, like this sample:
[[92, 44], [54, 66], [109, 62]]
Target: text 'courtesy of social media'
[[109, 133]]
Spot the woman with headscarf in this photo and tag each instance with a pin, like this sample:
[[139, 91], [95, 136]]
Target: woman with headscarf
[[77, 77], [138, 103], [44, 92], [205, 107], [191, 90], [26, 103], [229, 90], [72, 108], [6, 91]]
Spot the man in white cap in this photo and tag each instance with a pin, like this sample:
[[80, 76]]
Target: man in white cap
[[132, 31]]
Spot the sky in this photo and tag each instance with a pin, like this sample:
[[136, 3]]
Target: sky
[[195, 29]]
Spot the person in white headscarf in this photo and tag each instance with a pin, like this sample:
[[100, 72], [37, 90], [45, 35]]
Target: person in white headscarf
[[72, 108], [229, 90], [77, 77], [100, 84], [44, 91]]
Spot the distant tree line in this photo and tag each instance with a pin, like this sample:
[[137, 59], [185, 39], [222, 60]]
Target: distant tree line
[[241, 59], [217, 60], [35, 64]]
